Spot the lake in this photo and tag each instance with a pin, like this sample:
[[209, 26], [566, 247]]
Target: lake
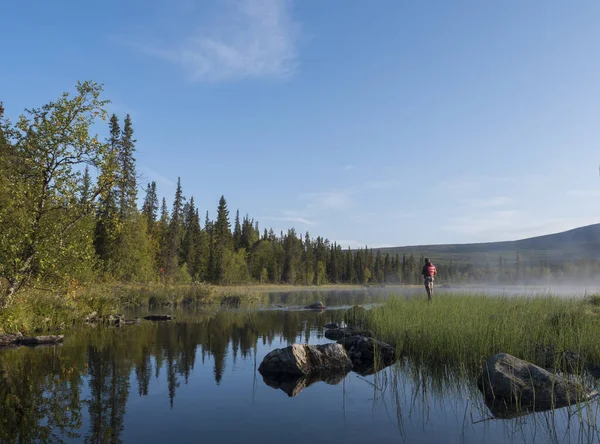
[[195, 379]]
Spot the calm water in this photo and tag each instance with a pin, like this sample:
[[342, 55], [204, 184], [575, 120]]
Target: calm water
[[196, 380]]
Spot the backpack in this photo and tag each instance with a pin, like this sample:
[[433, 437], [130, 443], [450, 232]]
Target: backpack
[[431, 269]]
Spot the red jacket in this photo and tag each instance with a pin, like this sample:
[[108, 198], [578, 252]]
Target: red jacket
[[429, 270]]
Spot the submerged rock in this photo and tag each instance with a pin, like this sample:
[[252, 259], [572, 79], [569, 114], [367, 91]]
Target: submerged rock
[[368, 355], [512, 386], [335, 334], [159, 317], [19, 339], [316, 306], [293, 385], [305, 360]]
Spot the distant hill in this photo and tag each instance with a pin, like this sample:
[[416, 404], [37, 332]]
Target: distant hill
[[578, 243]]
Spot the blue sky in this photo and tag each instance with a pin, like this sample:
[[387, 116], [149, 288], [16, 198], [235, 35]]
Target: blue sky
[[384, 123]]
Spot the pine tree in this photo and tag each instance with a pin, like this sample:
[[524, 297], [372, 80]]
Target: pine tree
[[175, 234], [221, 241], [86, 187], [307, 260], [191, 239], [127, 185], [237, 232], [162, 235], [107, 215], [150, 207]]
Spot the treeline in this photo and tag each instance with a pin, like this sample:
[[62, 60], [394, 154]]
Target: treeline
[[69, 214]]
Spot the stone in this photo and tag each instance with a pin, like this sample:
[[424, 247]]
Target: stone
[[306, 360], [512, 386], [332, 325], [316, 306], [19, 339], [159, 317], [335, 334], [368, 355]]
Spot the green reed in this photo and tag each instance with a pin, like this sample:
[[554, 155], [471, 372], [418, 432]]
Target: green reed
[[462, 331]]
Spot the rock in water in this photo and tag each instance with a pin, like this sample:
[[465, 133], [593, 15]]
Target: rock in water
[[305, 360], [6, 340], [335, 334], [159, 317], [15, 340], [511, 385], [332, 325], [40, 340], [368, 355], [316, 306]]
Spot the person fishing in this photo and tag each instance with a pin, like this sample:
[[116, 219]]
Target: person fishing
[[428, 272]]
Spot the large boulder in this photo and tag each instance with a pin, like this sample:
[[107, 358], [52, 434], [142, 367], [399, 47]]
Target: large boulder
[[305, 360], [368, 355], [335, 334], [511, 386]]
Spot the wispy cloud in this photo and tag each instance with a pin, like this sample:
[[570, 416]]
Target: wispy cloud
[[465, 183], [328, 200], [252, 39], [348, 167], [299, 220], [149, 174], [498, 201], [388, 183], [512, 225], [584, 193]]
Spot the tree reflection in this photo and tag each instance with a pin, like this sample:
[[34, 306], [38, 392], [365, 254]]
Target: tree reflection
[[44, 391]]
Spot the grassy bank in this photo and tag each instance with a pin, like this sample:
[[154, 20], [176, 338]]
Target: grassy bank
[[460, 332], [44, 311]]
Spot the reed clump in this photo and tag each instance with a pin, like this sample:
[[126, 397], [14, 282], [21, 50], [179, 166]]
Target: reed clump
[[462, 331]]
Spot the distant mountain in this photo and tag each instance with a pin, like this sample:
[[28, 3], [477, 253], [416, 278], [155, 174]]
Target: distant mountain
[[583, 242]]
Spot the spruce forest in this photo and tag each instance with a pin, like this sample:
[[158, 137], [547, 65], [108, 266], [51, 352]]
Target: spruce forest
[[69, 214]]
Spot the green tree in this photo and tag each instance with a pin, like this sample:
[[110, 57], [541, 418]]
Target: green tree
[[127, 179], [222, 241], [175, 234], [41, 232], [150, 206]]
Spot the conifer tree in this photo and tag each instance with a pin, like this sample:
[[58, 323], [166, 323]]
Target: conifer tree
[[221, 241], [191, 239], [175, 234], [237, 232], [307, 260], [127, 179], [86, 187], [150, 206], [107, 219]]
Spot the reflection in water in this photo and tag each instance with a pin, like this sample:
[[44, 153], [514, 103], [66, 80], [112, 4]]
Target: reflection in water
[[85, 390], [293, 385]]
